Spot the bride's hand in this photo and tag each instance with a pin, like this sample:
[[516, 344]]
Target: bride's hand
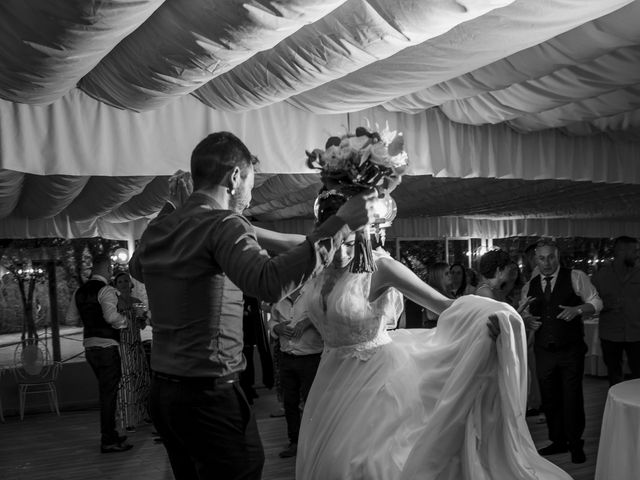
[[494, 326]]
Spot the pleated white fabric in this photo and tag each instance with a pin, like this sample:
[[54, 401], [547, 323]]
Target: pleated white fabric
[[446, 403]]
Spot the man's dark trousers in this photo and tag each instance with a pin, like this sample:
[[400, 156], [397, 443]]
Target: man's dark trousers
[[208, 428], [612, 356], [296, 377], [105, 363], [560, 373]]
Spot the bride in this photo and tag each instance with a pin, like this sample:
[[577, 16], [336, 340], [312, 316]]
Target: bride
[[445, 403]]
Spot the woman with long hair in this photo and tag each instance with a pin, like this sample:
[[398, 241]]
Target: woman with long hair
[[459, 284], [133, 393]]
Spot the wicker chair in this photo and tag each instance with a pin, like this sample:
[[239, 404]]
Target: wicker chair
[[35, 373]]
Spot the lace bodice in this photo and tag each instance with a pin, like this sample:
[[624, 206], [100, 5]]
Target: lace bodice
[[338, 306]]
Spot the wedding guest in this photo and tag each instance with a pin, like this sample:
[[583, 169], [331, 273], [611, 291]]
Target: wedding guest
[[557, 309], [472, 278], [529, 265], [96, 304], [619, 326], [255, 337], [511, 287], [495, 267], [195, 261], [300, 346], [459, 285], [133, 393]]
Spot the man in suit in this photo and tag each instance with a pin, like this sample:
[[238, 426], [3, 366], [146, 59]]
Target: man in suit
[[560, 297], [96, 304]]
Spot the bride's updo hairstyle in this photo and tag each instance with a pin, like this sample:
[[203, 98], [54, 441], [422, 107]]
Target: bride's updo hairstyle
[[328, 202]]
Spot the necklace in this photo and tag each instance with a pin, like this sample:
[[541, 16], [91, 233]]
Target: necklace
[[484, 284]]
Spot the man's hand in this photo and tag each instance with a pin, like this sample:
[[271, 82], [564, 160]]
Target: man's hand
[[121, 306], [180, 188], [531, 322], [494, 326], [569, 313], [283, 330], [359, 210], [300, 327], [523, 306]]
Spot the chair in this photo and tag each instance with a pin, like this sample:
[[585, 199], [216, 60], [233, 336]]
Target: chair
[[35, 373]]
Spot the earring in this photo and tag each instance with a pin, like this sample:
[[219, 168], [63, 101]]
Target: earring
[[232, 191]]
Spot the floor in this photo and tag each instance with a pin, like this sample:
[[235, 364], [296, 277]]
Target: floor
[[45, 446]]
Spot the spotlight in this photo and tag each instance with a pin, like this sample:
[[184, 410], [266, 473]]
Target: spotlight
[[121, 256]]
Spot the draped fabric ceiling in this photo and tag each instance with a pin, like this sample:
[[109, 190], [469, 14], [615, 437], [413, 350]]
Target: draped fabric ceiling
[[520, 117]]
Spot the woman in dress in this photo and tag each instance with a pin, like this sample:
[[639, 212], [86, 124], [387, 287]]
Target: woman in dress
[[442, 403], [133, 392], [459, 284], [499, 277], [495, 271]]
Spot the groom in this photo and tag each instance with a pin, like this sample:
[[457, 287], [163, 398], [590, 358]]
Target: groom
[[196, 261]]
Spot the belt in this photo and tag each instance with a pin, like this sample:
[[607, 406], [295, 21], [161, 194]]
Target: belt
[[209, 382], [287, 354]]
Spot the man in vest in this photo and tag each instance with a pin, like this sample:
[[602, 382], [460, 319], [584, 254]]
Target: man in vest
[[560, 297], [96, 304]]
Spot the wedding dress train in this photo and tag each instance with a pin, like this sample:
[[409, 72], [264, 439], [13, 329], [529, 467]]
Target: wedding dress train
[[446, 403]]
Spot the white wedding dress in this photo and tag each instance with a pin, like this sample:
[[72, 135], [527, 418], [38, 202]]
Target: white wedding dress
[[446, 403]]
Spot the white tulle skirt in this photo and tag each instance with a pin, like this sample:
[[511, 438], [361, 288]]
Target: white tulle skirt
[[446, 403]]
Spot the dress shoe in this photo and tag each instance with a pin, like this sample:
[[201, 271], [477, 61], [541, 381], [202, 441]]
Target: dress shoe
[[532, 412], [115, 447], [130, 429], [578, 456], [121, 438], [291, 451], [553, 449]]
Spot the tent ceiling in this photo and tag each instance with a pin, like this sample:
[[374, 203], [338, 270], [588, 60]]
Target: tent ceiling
[[567, 66], [470, 197]]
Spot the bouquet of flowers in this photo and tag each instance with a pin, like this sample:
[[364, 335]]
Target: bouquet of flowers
[[365, 160]]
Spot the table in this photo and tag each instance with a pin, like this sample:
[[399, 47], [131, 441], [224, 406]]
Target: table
[[619, 450]]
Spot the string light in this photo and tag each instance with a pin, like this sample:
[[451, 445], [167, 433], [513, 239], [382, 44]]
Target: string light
[[29, 272], [120, 256]]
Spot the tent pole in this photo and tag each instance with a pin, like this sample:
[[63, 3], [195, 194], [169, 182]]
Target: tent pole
[[131, 246], [446, 249], [53, 310]]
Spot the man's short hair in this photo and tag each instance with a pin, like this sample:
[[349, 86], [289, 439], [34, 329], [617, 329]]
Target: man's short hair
[[546, 242], [624, 240], [215, 156]]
